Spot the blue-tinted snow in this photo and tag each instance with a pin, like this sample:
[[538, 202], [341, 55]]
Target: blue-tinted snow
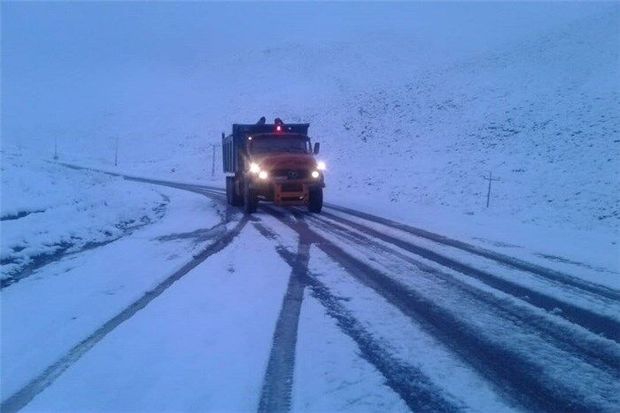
[[413, 103]]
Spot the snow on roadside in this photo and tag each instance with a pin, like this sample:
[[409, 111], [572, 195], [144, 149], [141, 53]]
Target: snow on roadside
[[65, 301], [48, 210]]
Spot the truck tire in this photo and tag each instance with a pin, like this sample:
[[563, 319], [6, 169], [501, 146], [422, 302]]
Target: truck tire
[[232, 198], [230, 190], [237, 197], [315, 203], [250, 199]]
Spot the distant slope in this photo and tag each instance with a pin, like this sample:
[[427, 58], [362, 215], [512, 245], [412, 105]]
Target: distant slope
[[542, 115]]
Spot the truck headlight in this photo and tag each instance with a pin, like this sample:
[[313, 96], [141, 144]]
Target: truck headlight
[[254, 168], [315, 174], [263, 175], [321, 166]]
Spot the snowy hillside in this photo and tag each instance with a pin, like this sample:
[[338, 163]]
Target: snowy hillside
[[413, 103], [542, 115]]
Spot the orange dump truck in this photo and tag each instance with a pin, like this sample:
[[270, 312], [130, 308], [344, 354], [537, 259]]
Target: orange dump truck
[[272, 162]]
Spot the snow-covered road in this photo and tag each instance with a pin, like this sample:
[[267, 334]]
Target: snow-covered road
[[210, 310]]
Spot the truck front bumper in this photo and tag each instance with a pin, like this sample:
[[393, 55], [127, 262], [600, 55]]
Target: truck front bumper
[[286, 193]]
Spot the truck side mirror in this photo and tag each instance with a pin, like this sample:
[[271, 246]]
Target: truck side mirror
[[317, 146]]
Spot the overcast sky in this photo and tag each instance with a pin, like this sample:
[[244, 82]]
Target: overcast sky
[[67, 65]]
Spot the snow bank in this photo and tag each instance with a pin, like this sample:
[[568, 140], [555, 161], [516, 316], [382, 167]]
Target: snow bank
[[49, 210]]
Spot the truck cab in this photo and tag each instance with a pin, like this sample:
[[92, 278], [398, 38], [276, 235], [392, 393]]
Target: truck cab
[[272, 162]]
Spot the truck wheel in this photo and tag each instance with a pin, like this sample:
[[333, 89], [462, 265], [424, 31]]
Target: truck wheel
[[250, 200], [236, 198], [315, 203], [230, 190]]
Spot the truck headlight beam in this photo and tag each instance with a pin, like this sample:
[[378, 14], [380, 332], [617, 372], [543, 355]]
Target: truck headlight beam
[[254, 168], [315, 174]]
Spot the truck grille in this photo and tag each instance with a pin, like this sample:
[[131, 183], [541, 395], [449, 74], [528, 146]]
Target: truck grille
[[290, 173], [292, 187]]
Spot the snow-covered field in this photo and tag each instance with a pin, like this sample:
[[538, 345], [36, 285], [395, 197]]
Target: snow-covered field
[[125, 295]]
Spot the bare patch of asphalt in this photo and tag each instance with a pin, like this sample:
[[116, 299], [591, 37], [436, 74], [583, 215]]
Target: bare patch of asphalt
[[23, 396], [597, 323], [517, 379]]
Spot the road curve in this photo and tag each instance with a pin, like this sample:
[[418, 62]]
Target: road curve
[[549, 344]]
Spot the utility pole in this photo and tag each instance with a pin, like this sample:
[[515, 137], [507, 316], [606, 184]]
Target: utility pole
[[490, 179], [213, 160], [116, 151], [55, 148]]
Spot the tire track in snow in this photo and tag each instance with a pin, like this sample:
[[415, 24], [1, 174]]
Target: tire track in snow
[[278, 381], [27, 393], [418, 392], [597, 323], [525, 386], [539, 270], [557, 276], [515, 378], [591, 351], [512, 376]]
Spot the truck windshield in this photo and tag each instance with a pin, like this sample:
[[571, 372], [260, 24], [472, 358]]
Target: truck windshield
[[270, 144]]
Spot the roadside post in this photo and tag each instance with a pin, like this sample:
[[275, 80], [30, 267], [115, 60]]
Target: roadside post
[[490, 179], [116, 151], [213, 160]]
